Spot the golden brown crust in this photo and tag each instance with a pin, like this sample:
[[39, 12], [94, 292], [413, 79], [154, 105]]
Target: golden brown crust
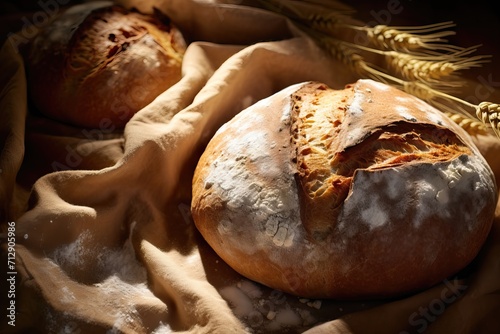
[[325, 169], [357, 193], [101, 63]]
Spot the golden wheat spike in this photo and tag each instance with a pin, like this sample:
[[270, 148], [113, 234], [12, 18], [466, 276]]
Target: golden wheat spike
[[328, 23], [312, 13], [429, 68], [419, 90], [489, 112], [340, 51], [411, 38], [472, 126]]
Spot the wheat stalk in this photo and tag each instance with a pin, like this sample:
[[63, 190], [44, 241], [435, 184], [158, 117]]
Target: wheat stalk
[[330, 23], [431, 68], [472, 126], [436, 97], [427, 67], [417, 68], [410, 38], [311, 12], [417, 59], [489, 112], [342, 52], [329, 16], [486, 112]]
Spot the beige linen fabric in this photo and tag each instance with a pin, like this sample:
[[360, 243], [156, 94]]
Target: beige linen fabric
[[108, 245]]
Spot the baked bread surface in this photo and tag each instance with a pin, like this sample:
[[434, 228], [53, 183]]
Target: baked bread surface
[[365, 192], [99, 63]]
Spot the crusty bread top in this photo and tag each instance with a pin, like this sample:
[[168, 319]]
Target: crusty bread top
[[366, 126], [102, 61]]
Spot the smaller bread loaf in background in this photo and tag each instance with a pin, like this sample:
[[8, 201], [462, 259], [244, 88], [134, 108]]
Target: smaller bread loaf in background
[[365, 192], [98, 62]]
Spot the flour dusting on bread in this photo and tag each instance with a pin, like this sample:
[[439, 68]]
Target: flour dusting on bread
[[253, 183]]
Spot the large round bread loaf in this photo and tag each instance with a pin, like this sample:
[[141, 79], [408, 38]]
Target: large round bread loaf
[[365, 192], [98, 64]]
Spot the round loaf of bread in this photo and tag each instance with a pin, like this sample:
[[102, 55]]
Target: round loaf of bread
[[364, 192], [98, 64]]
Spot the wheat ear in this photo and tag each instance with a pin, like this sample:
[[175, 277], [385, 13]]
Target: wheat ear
[[410, 38], [472, 126], [430, 68], [344, 54], [427, 67], [421, 72], [312, 12], [489, 112]]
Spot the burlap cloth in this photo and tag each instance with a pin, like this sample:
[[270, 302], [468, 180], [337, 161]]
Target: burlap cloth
[[108, 245]]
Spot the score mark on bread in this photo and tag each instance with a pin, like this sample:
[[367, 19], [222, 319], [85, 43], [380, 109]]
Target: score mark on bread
[[326, 165], [357, 193]]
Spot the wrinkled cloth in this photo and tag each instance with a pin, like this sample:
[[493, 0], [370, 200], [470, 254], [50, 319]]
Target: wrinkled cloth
[[104, 238]]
